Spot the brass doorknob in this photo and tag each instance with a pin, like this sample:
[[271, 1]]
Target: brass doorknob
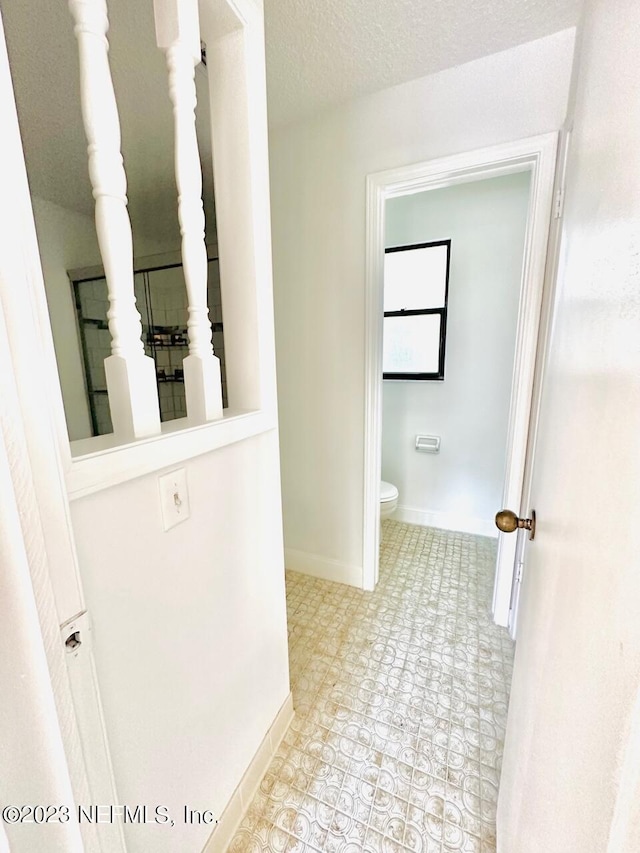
[[508, 521]]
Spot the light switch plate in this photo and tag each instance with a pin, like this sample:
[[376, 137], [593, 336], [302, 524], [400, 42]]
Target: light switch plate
[[174, 498]]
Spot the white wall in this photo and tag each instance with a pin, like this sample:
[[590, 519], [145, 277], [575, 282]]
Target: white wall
[[570, 779], [189, 632], [189, 626], [67, 240], [318, 170], [460, 488]]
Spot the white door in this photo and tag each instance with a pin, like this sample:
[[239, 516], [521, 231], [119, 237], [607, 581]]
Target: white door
[[571, 772]]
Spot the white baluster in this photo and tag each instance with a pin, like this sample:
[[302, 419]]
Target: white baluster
[[131, 379], [178, 35]]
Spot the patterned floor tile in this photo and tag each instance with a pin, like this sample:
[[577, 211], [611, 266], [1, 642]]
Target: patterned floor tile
[[401, 701]]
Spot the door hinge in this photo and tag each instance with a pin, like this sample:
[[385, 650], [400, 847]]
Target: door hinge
[[519, 572], [559, 203]]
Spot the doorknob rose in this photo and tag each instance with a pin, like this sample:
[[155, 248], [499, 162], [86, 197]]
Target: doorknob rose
[[507, 521]]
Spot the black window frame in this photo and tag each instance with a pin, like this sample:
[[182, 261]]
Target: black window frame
[[439, 375]]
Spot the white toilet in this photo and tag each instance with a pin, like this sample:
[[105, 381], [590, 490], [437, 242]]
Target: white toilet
[[388, 500]]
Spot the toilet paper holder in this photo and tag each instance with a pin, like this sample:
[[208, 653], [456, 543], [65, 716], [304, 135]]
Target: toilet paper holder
[[428, 443]]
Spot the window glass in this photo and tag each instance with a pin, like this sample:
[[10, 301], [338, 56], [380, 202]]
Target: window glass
[[411, 344], [416, 281], [415, 278]]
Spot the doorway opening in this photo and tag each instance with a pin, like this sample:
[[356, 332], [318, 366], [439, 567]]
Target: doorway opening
[[394, 201]]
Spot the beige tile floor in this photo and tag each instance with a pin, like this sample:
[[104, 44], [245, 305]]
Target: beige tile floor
[[401, 701]]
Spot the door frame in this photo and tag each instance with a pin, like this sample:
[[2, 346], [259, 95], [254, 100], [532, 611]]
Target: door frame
[[536, 155], [551, 278], [75, 766]]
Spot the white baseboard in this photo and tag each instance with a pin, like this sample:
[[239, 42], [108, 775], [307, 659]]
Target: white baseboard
[[322, 567], [244, 793], [446, 521]]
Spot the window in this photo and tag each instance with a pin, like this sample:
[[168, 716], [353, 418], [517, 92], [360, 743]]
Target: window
[[416, 284]]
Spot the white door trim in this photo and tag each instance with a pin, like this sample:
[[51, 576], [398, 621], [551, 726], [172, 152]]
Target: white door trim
[[538, 156], [551, 277], [42, 542]]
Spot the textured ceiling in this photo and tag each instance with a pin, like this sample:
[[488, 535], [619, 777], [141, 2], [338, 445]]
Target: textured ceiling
[[319, 52], [44, 65]]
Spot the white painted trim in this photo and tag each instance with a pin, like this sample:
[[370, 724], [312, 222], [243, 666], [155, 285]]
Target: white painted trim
[[39, 451], [245, 792], [528, 330], [374, 307], [323, 567], [92, 730], [101, 462], [32, 419], [40, 737], [234, 33], [178, 35], [235, 27], [446, 521], [551, 278], [130, 373], [34, 742], [537, 155]]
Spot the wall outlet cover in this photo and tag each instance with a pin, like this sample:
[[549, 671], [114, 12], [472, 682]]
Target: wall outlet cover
[[174, 498]]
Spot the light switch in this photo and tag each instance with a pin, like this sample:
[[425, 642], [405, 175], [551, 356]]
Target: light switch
[[174, 498]]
